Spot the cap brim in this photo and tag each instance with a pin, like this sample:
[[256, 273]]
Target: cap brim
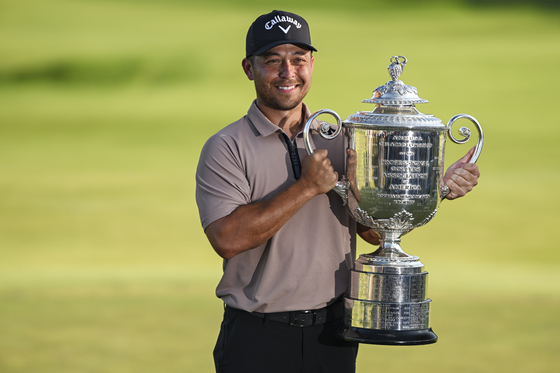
[[280, 42]]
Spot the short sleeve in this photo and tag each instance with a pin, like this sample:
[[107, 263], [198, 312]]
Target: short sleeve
[[221, 181]]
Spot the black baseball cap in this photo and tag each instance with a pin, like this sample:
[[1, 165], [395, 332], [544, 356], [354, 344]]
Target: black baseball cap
[[276, 28]]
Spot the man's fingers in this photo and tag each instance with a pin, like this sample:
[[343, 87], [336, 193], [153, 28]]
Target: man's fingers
[[472, 168], [462, 181], [318, 172], [455, 191]]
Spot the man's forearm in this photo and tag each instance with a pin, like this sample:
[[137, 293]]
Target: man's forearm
[[251, 225]]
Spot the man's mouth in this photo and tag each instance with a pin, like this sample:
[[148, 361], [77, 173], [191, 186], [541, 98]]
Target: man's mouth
[[286, 87]]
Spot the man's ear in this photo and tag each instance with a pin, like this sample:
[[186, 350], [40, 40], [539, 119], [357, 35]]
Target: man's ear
[[248, 68]]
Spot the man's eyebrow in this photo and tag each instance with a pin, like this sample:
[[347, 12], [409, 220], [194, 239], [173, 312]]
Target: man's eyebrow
[[268, 54], [297, 53]]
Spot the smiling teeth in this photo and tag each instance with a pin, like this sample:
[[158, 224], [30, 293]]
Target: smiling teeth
[[287, 88]]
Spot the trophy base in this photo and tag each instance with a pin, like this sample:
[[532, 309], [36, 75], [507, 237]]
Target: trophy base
[[389, 337]]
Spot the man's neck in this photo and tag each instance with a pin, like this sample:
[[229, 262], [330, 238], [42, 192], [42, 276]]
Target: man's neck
[[290, 121]]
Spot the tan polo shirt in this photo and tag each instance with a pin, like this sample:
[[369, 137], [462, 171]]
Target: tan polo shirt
[[305, 265]]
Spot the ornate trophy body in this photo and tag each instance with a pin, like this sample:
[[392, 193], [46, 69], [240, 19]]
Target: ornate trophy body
[[393, 184]]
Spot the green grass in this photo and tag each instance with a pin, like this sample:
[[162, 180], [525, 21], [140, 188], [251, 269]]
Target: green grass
[[105, 105]]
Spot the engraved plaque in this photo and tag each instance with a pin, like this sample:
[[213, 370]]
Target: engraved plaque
[[388, 316], [388, 288]]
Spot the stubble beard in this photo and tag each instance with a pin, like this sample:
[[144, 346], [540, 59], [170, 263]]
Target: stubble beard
[[276, 103], [282, 105]]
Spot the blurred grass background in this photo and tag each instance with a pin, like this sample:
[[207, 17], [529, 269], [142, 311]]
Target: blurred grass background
[[105, 105]]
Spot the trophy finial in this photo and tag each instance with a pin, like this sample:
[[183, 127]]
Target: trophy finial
[[396, 67], [395, 92]]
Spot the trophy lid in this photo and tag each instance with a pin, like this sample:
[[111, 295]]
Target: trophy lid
[[395, 105], [395, 92]]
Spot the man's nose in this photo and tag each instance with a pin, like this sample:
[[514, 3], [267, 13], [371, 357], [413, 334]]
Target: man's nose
[[286, 70]]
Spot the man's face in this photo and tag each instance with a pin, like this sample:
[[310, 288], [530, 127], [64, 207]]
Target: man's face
[[282, 76]]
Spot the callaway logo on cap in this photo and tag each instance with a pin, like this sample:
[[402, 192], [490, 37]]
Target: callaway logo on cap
[[276, 28]]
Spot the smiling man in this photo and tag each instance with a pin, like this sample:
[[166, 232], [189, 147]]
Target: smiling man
[[267, 209]]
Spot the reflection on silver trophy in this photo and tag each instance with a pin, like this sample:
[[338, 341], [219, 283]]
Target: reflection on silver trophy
[[393, 184]]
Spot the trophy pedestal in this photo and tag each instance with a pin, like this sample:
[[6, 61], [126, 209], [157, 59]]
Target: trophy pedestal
[[390, 337], [387, 302]]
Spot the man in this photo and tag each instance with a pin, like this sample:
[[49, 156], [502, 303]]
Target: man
[[267, 208]]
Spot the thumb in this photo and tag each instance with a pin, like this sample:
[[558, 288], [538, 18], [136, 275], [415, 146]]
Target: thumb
[[321, 153], [467, 157]]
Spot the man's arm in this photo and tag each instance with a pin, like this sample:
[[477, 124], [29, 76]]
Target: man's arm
[[251, 225]]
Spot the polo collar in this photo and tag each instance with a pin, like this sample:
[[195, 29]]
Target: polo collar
[[264, 126]]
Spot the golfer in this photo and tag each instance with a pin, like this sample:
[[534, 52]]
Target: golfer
[[269, 211]]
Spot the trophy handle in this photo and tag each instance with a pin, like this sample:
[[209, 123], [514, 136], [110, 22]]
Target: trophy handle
[[325, 132], [467, 134]]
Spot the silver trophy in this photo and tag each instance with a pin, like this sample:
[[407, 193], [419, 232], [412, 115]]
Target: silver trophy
[[393, 184]]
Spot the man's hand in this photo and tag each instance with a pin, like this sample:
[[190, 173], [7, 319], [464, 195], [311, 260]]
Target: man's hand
[[317, 172], [461, 177], [367, 234]]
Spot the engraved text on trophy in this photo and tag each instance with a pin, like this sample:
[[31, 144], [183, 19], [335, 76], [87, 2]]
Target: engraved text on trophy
[[398, 170]]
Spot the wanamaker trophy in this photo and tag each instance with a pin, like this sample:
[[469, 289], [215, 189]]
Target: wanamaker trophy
[[393, 185]]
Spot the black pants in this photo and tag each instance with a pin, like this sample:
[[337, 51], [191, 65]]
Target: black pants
[[249, 344]]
